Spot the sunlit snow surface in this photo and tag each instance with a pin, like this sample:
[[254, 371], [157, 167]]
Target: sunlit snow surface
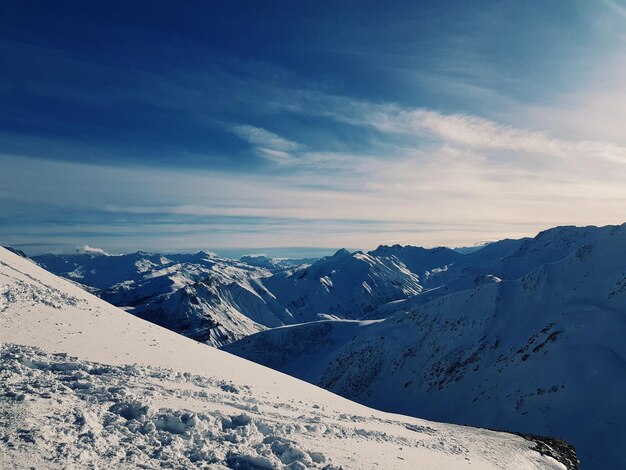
[[90, 386]]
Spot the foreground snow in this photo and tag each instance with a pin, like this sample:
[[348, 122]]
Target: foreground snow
[[86, 385]]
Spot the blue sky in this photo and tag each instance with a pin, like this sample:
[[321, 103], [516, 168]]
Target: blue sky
[[239, 126]]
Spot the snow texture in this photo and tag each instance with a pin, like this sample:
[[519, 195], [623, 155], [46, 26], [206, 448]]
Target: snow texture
[[85, 385]]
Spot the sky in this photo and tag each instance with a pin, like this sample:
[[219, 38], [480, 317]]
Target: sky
[[294, 128]]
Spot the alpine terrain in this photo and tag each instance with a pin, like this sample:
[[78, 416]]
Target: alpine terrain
[[218, 300], [86, 385], [522, 334]]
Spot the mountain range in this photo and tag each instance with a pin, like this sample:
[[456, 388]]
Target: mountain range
[[218, 300], [533, 341], [520, 334], [87, 385]]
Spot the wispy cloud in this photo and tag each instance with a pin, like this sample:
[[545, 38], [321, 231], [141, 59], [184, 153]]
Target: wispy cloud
[[268, 145], [470, 131], [445, 195], [431, 145]]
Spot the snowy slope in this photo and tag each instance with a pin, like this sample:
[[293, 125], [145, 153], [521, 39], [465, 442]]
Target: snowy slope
[[87, 385], [217, 300], [493, 251], [345, 285], [276, 264], [544, 353], [511, 259], [417, 259], [502, 260], [176, 291], [210, 310]]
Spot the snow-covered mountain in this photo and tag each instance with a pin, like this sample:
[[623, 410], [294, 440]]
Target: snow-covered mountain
[[128, 279], [419, 260], [218, 300], [539, 348], [511, 259], [345, 285], [179, 291], [276, 264], [216, 311], [86, 385]]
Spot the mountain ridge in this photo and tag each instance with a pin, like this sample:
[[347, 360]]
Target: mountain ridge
[[90, 385], [527, 353]]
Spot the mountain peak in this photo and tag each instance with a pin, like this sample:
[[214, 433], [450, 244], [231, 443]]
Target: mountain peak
[[341, 253]]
